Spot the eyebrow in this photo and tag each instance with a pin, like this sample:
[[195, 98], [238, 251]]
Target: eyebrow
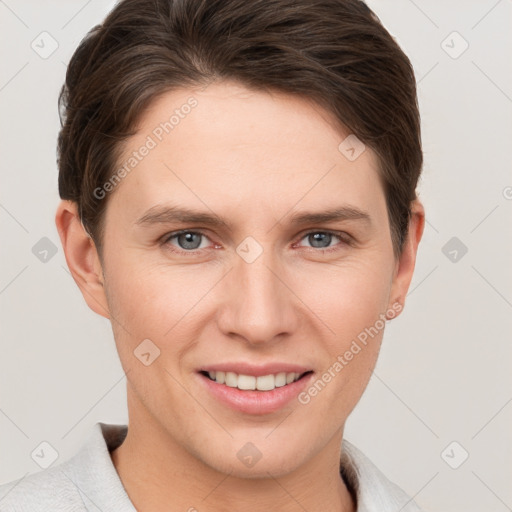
[[166, 214]]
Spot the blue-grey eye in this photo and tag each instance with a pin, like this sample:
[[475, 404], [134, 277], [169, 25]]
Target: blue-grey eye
[[189, 240], [320, 239]]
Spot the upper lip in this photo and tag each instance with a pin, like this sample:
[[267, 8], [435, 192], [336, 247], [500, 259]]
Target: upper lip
[[243, 368]]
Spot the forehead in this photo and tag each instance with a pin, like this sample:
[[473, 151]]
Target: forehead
[[228, 147]]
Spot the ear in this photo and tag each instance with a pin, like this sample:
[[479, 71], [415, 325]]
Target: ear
[[404, 268], [82, 257]]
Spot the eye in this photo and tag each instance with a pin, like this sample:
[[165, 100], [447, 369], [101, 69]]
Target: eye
[[322, 239], [186, 241]]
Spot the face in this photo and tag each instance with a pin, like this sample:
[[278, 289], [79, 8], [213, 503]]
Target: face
[[242, 243]]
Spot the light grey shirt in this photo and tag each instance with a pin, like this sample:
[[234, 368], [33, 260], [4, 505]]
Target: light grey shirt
[[88, 481]]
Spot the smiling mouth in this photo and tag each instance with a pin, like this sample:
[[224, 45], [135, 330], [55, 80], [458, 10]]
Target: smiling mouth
[[252, 383]]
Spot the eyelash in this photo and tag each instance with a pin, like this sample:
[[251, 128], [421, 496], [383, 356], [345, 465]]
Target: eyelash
[[345, 238]]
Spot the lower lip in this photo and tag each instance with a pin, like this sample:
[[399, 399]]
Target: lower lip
[[256, 402]]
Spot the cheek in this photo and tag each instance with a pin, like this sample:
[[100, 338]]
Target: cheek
[[352, 302], [138, 290], [353, 308], [155, 302], [348, 297]]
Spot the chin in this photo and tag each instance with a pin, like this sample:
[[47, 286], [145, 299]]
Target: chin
[[241, 458]]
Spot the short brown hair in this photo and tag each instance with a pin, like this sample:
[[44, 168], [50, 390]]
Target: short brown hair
[[334, 52]]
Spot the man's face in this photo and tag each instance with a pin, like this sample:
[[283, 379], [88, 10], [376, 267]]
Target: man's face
[[263, 293]]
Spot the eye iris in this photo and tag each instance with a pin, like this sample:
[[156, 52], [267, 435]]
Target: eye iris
[[314, 238], [186, 240]]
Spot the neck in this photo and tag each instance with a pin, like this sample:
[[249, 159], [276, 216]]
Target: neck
[[157, 471]]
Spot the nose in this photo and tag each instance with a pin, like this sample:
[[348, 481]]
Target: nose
[[260, 306]]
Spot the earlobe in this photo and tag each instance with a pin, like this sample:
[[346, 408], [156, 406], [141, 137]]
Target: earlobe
[[82, 257], [405, 265]]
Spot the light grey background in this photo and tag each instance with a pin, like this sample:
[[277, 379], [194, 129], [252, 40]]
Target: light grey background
[[444, 372]]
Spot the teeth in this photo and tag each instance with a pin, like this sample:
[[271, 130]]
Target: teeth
[[231, 380], [280, 380], [250, 382], [246, 382], [264, 382]]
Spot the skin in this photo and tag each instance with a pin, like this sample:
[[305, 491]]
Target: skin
[[255, 159]]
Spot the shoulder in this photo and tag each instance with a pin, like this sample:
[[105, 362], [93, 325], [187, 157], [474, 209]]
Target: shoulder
[[87, 481], [374, 491], [50, 489]]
